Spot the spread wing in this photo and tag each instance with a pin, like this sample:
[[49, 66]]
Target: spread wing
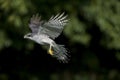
[[35, 23], [54, 26]]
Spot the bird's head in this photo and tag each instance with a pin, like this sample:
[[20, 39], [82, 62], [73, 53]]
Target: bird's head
[[28, 36]]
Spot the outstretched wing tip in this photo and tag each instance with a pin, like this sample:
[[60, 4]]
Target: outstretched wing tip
[[35, 21], [54, 26]]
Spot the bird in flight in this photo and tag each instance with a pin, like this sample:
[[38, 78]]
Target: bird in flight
[[44, 33]]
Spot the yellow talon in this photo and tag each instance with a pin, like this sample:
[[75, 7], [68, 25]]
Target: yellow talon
[[50, 51]]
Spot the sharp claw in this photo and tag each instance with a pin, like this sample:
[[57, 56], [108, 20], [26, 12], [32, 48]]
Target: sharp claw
[[50, 51]]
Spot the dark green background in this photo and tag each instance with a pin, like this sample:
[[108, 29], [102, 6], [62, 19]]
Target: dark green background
[[92, 37]]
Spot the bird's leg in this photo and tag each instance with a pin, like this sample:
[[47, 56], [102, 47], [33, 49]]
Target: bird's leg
[[50, 50]]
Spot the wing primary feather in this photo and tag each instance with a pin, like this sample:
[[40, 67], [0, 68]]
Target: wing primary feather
[[32, 18], [36, 16], [64, 21], [60, 16], [56, 16], [63, 18], [51, 18]]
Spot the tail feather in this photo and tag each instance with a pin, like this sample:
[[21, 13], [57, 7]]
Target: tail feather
[[60, 53]]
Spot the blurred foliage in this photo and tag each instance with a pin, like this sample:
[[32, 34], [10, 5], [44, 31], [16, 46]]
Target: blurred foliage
[[106, 15], [92, 35]]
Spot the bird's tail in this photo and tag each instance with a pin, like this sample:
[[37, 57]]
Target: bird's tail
[[60, 52]]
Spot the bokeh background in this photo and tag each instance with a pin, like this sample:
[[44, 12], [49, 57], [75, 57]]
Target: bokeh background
[[92, 37]]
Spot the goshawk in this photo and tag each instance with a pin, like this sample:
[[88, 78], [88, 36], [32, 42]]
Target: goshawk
[[44, 33]]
